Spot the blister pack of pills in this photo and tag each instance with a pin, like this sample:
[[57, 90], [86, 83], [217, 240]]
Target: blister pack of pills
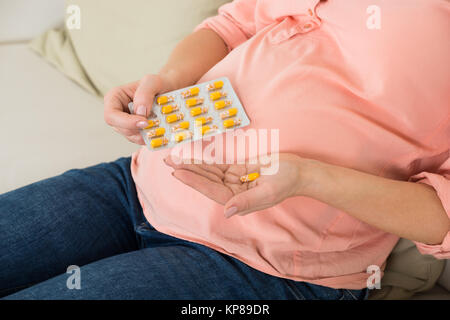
[[191, 113]]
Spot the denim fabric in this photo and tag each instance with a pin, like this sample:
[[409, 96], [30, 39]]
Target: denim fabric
[[92, 218]]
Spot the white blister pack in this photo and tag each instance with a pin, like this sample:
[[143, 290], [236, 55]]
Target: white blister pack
[[191, 113]]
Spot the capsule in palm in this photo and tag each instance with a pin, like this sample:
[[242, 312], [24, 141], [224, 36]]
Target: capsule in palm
[[249, 177]]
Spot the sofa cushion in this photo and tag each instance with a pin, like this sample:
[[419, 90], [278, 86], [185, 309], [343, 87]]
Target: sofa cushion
[[25, 19], [48, 124], [444, 280], [56, 47], [407, 273], [121, 41]]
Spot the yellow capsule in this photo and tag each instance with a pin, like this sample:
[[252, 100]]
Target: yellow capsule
[[221, 104], [164, 99], [158, 142], [249, 177], [174, 117], [181, 126], [217, 95], [156, 132], [229, 113], [152, 123], [207, 129], [193, 102], [198, 110], [214, 86], [231, 123], [202, 120], [183, 136], [169, 108], [190, 92]]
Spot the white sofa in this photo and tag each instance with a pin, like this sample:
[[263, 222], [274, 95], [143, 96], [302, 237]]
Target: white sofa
[[49, 124]]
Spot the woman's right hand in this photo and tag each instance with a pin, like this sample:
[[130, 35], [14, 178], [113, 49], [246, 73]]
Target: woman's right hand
[[142, 93]]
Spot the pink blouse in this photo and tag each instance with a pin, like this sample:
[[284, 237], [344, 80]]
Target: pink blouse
[[344, 82]]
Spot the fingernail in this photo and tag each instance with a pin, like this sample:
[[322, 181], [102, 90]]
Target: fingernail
[[141, 111], [142, 124], [230, 211]]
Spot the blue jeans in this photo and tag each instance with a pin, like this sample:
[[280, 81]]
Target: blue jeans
[[91, 218]]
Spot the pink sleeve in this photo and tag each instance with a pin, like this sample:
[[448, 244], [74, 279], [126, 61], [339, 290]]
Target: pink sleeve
[[235, 22], [440, 181]]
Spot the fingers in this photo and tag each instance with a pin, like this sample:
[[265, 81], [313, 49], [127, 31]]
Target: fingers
[[215, 168], [234, 174], [148, 87], [233, 177], [237, 187], [137, 139], [116, 110], [131, 136], [117, 115], [211, 172], [119, 119], [248, 201], [126, 132], [213, 190]]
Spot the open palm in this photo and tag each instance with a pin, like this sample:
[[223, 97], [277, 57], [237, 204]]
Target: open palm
[[221, 183]]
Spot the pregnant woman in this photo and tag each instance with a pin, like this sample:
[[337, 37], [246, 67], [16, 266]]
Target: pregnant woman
[[362, 109]]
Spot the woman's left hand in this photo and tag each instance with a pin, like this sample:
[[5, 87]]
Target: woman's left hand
[[220, 182]]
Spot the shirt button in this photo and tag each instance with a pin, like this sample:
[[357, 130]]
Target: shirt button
[[307, 26]]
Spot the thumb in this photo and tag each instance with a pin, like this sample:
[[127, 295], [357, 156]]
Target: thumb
[[148, 87], [248, 201]]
